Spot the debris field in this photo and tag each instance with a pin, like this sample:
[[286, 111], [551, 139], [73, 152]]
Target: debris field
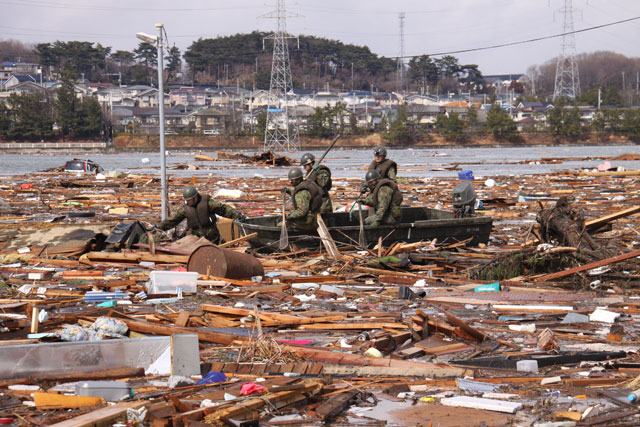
[[537, 327]]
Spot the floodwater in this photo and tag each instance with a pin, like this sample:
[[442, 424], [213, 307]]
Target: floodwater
[[416, 163]]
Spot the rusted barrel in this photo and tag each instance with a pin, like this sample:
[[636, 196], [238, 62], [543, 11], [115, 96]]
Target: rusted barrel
[[220, 262]]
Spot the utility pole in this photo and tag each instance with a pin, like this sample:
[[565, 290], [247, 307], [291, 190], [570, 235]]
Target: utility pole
[[567, 81], [400, 72], [282, 121]]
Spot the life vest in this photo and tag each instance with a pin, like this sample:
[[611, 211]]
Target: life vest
[[396, 197], [384, 166], [316, 195], [198, 215], [314, 177]]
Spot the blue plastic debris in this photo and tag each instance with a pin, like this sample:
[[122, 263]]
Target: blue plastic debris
[[491, 287], [212, 378], [465, 174]]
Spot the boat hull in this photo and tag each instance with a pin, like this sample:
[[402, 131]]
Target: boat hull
[[417, 224]]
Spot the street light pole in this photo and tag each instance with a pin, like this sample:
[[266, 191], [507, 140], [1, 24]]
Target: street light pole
[[163, 161], [163, 152]]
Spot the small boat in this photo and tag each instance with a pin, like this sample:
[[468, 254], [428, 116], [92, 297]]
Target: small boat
[[418, 224]]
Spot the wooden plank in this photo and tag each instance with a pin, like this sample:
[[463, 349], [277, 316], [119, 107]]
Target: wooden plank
[[239, 240], [44, 400], [102, 416], [183, 318], [387, 371], [362, 325], [327, 241], [334, 405], [136, 257], [589, 266], [598, 222]]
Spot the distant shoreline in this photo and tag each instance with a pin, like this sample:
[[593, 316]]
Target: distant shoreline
[[124, 144]]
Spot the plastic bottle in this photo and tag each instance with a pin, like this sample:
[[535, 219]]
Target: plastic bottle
[[634, 397]]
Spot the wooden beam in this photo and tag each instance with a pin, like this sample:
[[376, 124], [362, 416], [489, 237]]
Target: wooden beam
[[589, 266], [599, 222]]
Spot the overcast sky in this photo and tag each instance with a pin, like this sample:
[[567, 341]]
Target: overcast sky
[[430, 27]]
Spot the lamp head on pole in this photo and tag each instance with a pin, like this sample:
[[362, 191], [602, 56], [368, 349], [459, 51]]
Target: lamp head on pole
[[148, 38]]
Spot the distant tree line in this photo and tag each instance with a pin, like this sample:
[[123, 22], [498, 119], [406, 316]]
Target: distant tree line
[[34, 117]]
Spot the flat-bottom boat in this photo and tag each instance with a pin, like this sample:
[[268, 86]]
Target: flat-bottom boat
[[417, 224]]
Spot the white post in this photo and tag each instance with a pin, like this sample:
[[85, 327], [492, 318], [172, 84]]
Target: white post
[[163, 169]]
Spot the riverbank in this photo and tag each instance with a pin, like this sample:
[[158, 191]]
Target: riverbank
[[148, 143]]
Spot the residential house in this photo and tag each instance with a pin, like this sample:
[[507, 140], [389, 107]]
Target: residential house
[[531, 116], [212, 120], [26, 87], [17, 79], [423, 114], [146, 120], [423, 100], [21, 67]]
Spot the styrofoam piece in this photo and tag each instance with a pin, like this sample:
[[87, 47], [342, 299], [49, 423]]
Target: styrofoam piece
[[551, 380], [527, 327], [167, 282], [604, 316], [532, 307], [527, 366], [482, 403], [575, 318], [556, 424]]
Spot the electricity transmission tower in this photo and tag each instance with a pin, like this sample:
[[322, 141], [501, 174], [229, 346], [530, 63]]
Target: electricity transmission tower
[[567, 79], [282, 122], [400, 73]]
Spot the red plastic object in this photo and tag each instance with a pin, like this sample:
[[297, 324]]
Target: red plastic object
[[250, 388], [25, 186]]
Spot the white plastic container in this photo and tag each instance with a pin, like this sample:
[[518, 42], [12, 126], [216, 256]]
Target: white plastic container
[[111, 391], [168, 282]]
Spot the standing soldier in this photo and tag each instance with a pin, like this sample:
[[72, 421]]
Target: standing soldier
[[385, 198], [387, 167], [200, 212], [307, 199], [321, 175]]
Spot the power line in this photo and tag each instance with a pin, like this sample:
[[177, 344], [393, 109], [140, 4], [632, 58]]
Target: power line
[[537, 39], [28, 3]]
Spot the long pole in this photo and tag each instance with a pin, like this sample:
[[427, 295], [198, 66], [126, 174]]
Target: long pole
[[163, 160]]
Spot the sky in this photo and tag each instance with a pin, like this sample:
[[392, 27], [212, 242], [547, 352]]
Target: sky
[[430, 27]]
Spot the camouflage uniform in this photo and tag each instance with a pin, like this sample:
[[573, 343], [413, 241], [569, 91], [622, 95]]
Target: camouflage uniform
[[387, 168], [385, 197], [307, 200], [322, 176], [201, 219]]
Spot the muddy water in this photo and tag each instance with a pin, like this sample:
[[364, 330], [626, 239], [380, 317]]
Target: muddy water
[[420, 163]]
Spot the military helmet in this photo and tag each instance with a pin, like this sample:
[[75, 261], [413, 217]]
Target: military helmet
[[189, 193], [295, 174], [380, 151], [372, 175], [307, 159]]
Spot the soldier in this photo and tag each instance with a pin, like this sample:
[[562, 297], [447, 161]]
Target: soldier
[[387, 167], [321, 174], [200, 212], [385, 198], [307, 199]]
